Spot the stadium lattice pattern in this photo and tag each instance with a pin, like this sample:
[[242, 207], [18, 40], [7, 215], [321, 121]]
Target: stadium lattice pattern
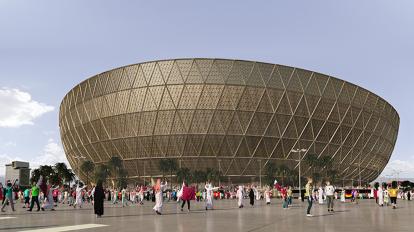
[[230, 115]]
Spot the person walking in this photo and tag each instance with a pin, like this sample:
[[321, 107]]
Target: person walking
[[8, 195], [308, 195], [320, 195], [267, 195], [289, 194], [380, 195], [329, 191], [26, 195], [98, 197], [239, 195], [123, 197], [1, 193], [393, 193], [35, 196], [251, 196]]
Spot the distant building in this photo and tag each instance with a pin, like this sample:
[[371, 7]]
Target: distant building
[[18, 170]]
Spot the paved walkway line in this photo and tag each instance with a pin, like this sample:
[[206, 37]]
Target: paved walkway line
[[4, 218], [67, 228]]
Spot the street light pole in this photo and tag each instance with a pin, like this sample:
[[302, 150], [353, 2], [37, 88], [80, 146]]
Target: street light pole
[[299, 161], [359, 174], [260, 173]]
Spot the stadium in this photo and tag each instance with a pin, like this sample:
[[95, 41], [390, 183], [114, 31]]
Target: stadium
[[235, 116]]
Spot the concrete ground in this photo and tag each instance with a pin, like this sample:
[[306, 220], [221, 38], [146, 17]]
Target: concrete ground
[[366, 216]]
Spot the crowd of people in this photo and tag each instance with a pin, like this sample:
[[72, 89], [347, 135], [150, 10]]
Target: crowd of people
[[46, 196]]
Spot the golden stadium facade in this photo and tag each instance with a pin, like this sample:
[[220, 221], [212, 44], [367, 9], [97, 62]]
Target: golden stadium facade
[[230, 115]]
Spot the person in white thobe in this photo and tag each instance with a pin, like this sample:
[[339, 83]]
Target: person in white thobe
[[267, 195], [159, 188], [78, 201], [320, 195], [239, 195], [257, 193], [343, 195], [380, 194], [209, 195]]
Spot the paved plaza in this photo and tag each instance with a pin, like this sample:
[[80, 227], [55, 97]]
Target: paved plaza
[[366, 216]]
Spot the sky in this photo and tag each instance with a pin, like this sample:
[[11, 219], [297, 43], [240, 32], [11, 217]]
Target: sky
[[47, 47]]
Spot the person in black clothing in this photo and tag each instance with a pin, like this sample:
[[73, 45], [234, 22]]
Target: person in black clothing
[[409, 195], [99, 197], [251, 196]]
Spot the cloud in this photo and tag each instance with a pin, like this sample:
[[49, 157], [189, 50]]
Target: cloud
[[401, 168], [17, 108], [52, 153]]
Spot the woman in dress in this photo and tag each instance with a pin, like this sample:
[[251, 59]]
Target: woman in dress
[[99, 197], [251, 196]]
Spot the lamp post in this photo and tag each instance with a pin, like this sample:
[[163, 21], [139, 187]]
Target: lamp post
[[299, 161], [219, 169], [260, 173], [359, 173]]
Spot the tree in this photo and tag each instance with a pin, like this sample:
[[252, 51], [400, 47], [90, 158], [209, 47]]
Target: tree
[[199, 176], [183, 174], [172, 167], [324, 163], [101, 173], [312, 161], [87, 167], [35, 175], [331, 175], [48, 172], [270, 170], [214, 175], [163, 166], [283, 171], [168, 165], [66, 174], [116, 167]]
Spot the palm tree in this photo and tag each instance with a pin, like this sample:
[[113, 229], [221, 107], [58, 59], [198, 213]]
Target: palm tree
[[163, 166], [312, 161], [324, 163], [65, 173], [172, 167], [183, 174], [283, 171], [270, 170], [101, 173], [87, 167], [214, 175], [115, 165], [35, 175], [199, 176]]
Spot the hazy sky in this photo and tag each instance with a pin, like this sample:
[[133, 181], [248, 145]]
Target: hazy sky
[[47, 47]]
